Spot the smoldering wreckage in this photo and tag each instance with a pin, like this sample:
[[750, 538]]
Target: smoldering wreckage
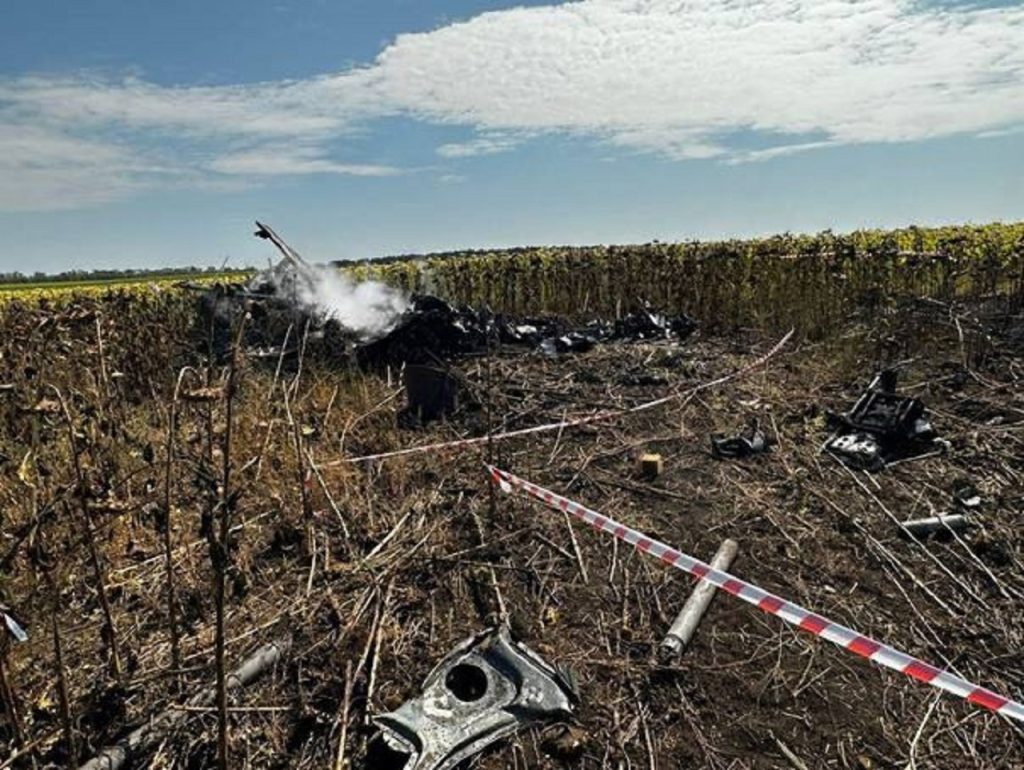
[[492, 685]]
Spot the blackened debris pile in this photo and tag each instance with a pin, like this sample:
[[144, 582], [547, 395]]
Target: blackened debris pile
[[882, 427], [432, 330], [285, 310], [295, 303], [276, 328]]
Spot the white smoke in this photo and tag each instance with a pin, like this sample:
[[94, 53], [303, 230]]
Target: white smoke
[[369, 308]]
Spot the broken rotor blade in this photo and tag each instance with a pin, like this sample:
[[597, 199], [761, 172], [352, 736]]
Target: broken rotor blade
[[267, 233]]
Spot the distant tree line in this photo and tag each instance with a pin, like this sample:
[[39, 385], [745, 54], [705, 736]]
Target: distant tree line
[[111, 275]]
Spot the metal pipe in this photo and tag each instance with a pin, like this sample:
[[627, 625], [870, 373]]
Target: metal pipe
[[920, 527], [158, 728], [685, 625]]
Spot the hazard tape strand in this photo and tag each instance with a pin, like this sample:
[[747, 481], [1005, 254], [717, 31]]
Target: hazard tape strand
[[791, 613], [576, 422]]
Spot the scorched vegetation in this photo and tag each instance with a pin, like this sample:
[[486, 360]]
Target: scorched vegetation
[[167, 509]]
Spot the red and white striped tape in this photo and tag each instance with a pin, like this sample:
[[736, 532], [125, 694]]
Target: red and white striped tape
[[793, 614]]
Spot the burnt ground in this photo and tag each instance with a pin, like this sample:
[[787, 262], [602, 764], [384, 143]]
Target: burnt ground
[[412, 554]]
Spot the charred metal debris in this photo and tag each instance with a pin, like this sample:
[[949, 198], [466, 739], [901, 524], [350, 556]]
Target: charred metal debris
[[12, 626], [883, 427], [755, 442], [966, 503], [429, 330], [487, 688]]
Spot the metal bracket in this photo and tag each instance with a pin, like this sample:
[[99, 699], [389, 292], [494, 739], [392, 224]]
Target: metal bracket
[[487, 688]]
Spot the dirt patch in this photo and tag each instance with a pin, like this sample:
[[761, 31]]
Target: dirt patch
[[414, 554]]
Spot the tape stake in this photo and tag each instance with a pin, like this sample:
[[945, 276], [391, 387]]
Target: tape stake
[[791, 613]]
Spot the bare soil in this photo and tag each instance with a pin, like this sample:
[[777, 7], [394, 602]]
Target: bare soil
[[416, 553]]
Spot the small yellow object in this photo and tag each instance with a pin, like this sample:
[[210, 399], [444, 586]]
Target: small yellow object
[[649, 465], [26, 471]]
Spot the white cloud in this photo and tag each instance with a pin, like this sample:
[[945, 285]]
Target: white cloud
[[678, 75], [684, 78], [261, 110], [485, 145], [46, 170], [273, 160]]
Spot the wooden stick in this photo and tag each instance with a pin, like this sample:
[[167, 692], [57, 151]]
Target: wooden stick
[[339, 758], [793, 759]]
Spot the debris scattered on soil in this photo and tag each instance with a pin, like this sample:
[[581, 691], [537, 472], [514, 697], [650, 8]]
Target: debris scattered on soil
[[487, 688], [14, 628], [882, 427], [376, 326], [160, 727], [432, 392], [965, 495], [738, 447], [811, 533], [848, 639], [432, 329]]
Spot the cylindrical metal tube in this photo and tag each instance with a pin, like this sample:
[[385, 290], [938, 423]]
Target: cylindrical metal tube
[[685, 625], [159, 727], [921, 527]]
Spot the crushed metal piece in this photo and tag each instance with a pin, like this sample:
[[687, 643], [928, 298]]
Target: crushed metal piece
[[965, 495], [739, 446], [859, 450], [489, 687], [14, 628], [882, 427]]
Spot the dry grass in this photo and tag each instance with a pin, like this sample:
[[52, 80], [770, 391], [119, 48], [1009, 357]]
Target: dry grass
[[393, 563]]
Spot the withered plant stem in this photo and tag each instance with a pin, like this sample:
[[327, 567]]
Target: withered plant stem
[[280, 362], [492, 502], [89, 535], [346, 700], [104, 377], [221, 555], [62, 687], [303, 473], [7, 693], [44, 561], [172, 605]]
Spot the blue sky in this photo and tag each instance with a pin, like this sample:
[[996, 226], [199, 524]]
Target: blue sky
[[142, 134]]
